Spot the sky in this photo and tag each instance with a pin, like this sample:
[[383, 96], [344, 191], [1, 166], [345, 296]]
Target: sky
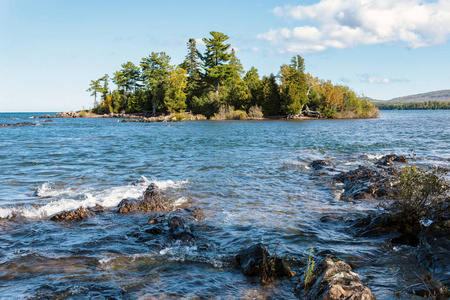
[[50, 50]]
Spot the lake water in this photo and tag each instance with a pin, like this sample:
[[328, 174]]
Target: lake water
[[250, 178]]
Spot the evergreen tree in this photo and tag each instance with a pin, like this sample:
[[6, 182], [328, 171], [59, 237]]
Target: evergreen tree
[[271, 95], [155, 69], [215, 58], [105, 88], [236, 91], [192, 65], [94, 88], [294, 86], [253, 83]]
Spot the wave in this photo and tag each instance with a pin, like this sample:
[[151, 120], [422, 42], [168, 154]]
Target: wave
[[69, 199]]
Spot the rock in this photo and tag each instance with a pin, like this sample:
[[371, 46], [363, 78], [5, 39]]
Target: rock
[[74, 215], [97, 209], [332, 279], [365, 182], [19, 124], [177, 225], [434, 249], [256, 261], [152, 202], [431, 289], [388, 160], [319, 164]]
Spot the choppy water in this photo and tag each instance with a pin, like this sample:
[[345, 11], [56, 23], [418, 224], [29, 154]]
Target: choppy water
[[250, 178]]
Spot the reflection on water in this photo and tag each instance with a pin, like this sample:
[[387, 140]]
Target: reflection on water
[[251, 179]]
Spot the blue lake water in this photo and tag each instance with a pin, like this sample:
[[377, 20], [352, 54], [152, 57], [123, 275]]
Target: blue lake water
[[250, 178]]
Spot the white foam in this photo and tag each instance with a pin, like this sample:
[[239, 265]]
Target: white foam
[[70, 199], [373, 157], [180, 201]]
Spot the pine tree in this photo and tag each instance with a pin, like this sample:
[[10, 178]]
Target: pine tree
[[294, 86], [215, 59]]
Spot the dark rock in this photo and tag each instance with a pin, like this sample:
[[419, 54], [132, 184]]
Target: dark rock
[[152, 199], [388, 160], [319, 164], [97, 209], [177, 225], [128, 205], [431, 289], [256, 261], [332, 279], [365, 182], [152, 202], [74, 215], [18, 124], [434, 248]]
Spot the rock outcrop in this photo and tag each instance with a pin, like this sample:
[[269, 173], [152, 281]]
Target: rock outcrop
[[256, 261], [74, 215], [152, 201], [176, 225], [332, 279], [365, 182]]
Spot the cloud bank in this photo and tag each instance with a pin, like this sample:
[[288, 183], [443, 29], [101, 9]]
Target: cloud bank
[[348, 23]]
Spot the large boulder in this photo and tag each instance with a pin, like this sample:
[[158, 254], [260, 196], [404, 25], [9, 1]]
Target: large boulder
[[256, 261], [332, 279], [152, 201]]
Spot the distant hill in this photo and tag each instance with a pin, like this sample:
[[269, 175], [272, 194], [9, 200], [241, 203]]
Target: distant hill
[[443, 95]]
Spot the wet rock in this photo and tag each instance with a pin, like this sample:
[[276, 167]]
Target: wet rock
[[320, 164], [152, 201], [97, 209], [19, 124], [365, 182], [169, 226], [332, 279], [388, 160], [40, 191], [434, 249], [431, 289], [256, 261], [74, 215]]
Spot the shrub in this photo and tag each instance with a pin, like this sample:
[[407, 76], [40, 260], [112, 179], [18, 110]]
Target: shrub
[[421, 195], [255, 112], [238, 115], [82, 113]]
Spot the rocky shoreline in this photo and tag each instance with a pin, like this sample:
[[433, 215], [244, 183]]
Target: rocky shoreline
[[329, 277]]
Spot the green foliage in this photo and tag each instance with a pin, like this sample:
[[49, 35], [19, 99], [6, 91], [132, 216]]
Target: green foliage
[[228, 113], [175, 97], [215, 58], [203, 83], [310, 267], [294, 86], [155, 74], [421, 196], [271, 94], [255, 112], [82, 113], [414, 105]]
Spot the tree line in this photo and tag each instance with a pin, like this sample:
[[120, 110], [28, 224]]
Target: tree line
[[206, 83], [414, 105]]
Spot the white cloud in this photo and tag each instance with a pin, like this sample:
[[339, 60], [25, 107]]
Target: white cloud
[[380, 80], [348, 23]]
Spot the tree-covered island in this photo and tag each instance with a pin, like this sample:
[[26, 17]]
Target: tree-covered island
[[214, 84]]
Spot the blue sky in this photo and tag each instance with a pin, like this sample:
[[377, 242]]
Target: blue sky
[[50, 50]]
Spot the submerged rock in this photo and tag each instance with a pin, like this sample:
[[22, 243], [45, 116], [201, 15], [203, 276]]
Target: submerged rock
[[431, 289], [365, 182], [320, 164], [332, 279], [152, 201], [169, 226], [74, 215], [256, 261]]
